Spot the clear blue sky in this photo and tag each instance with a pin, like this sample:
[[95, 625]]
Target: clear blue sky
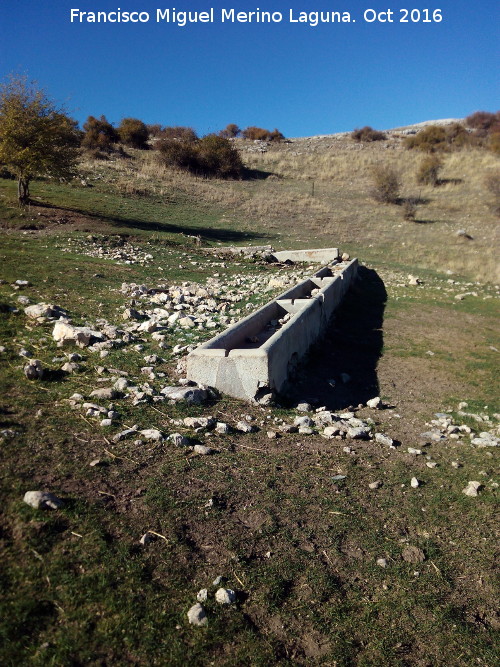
[[304, 80]]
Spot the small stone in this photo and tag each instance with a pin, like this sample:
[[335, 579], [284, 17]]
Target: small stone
[[94, 463], [70, 367], [106, 393], [374, 402], [456, 464], [431, 464], [303, 421], [375, 485], [197, 616], [384, 440], [202, 450], [42, 500], [225, 596], [106, 422], [34, 370], [413, 555], [331, 431], [147, 538], [472, 489], [272, 435], [245, 427], [222, 428], [415, 452], [151, 434], [202, 595], [415, 483], [218, 580], [303, 407], [381, 562], [358, 432], [178, 440]]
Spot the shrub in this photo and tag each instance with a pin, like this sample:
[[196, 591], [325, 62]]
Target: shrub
[[231, 131], [410, 208], [99, 134], [494, 142], [179, 154], [428, 170], [217, 157], [276, 136], [134, 133], [492, 184], [211, 156], [260, 134], [155, 130], [386, 184], [430, 139], [181, 133], [367, 133], [483, 120]]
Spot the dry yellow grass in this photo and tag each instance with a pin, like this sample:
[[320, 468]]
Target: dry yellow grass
[[320, 195]]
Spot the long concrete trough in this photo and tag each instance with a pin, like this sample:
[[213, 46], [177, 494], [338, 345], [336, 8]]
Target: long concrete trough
[[259, 352]]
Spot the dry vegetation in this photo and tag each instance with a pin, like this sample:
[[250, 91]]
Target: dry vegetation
[[324, 186]]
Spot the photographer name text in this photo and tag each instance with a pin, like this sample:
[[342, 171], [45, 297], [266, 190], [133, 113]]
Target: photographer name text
[[232, 16]]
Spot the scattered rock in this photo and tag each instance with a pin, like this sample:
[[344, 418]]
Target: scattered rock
[[192, 395], [384, 440], [42, 500], [34, 369], [106, 394], [151, 434], [202, 450], [197, 616], [245, 427], [374, 402], [472, 489], [177, 439], [65, 334], [381, 562], [202, 595], [375, 485], [225, 596], [415, 483]]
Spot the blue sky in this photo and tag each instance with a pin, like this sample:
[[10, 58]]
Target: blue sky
[[303, 80]]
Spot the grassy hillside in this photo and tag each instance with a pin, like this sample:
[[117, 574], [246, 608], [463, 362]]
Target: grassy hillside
[[290, 523]]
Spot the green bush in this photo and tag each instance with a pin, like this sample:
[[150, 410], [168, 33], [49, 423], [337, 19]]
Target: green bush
[[134, 133], [386, 184], [366, 134], [428, 170]]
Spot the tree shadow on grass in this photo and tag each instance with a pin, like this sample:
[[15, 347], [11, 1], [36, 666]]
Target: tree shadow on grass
[[209, 233], [352, 345]]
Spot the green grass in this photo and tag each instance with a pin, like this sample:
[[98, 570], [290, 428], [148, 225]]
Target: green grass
[[299, 547]]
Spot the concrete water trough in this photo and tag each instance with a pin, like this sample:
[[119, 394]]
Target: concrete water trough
[[259, 352]]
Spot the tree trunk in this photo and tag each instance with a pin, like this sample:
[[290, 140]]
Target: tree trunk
[[23, 190]]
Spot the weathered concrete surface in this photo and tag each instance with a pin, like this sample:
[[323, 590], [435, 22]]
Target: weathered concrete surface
[[318, 255], [257, 352]]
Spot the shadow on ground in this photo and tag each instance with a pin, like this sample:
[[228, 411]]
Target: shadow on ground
[[352, 345], [209, 233]]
